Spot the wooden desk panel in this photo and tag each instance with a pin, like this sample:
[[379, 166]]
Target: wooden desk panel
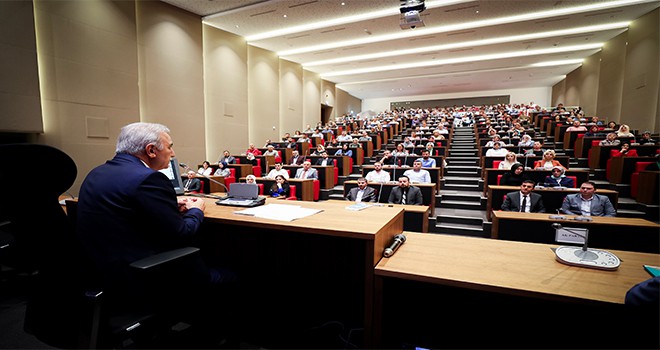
[[328, 256], [552, 197], [415, 217], [343, 163], [647, 191], [600, 154], [622, 167], [242, 170], [630, 234]]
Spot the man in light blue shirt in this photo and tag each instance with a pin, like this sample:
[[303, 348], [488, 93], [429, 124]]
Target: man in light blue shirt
[[417, 174], [427, 161]]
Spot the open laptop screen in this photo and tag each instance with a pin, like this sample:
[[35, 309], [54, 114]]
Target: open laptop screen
[[172, 172]]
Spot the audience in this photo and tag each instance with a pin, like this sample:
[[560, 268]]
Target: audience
[[417, 174], [509, 160], [192, 184], [610, 140], [524, 200], [280, 189], [223, 170], [227, 158], [558, 179], [307, 172], [361, 193], [548, 162], [378, 174], [206, 169], [515, 176]]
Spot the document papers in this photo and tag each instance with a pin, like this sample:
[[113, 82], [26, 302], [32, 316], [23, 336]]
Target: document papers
[[281, 212]]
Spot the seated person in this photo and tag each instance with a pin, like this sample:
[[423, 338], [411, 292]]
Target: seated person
[[646, 139], [548, 162], [558, 179], [325, 160], [587, 203], [206, 169], [524, 200], [536, 150], [251, 159], [280, 189], [296, 158], [496, 139], [427, 161], [364, 137], [361, 193], [307, 172], [417, 174], [378, 174], [405, 193], [515, 176], [270, 151], [645, 293], [526, 141], [344, 151], [227, 158], [254, 150], [594, 131], [277, 171], [509, 160], [625, 151], [610, 140], [497, 151], [192, 184], [251, 179], [355, 143], [319, 149], [388, 158], [223, 170]]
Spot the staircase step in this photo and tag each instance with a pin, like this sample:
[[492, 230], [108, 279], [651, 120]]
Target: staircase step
[[458, 229], [463, 173], [452, 180], [461, 197], [462, 205]]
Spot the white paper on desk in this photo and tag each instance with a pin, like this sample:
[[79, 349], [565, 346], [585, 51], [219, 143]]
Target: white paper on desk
[[281, 212]]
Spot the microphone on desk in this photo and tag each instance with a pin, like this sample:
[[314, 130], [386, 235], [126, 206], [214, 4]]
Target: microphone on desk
[[185, 166], [582, 256], [396, 243], [380, 190]]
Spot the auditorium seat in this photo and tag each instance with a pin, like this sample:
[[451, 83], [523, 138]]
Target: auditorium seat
[[634, 177], [499, 177], [575, 184], [496, 163], [256, 169], [201, 187], [231, 178], [261, 189], [292, 193], [336, 172]]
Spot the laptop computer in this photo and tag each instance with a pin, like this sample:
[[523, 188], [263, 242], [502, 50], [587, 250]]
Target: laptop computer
[[242, 195]]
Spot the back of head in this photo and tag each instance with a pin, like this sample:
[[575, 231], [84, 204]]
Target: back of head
[[133, 138]]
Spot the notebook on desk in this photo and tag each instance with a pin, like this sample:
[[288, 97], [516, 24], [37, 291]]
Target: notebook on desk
[[242, 195]]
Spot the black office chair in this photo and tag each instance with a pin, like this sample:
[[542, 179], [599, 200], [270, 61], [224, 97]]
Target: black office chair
[[66, 306]]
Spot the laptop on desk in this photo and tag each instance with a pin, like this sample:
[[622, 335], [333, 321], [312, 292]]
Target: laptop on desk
[[242, 195]]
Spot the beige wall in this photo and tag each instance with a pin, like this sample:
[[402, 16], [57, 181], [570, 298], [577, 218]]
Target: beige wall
[[626, 75], [311, 98], [88, 71], [171, 75], [610, 83], [291, 95], [20, 101], [264, 97], [347, 103]]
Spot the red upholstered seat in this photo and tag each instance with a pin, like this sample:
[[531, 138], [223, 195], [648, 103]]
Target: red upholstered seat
[[579, 136], [499, 178], [231, 178], [593, 143], [278, 157], [317, 189], [575, 184], [336, 171], [201, 187], [261, 189], [256, 169], [496, 163], [634, 177], [238, 161], [292, 193]]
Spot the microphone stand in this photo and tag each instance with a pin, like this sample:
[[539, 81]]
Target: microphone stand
[[185, 166]]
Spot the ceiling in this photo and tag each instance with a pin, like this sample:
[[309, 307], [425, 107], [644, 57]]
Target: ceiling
[[462, 46]]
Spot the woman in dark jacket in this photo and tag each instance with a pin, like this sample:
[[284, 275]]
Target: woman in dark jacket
[[515, 176], [280, 188]]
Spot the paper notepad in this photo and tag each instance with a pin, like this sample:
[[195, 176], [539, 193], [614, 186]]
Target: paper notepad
[[281, 212], [358, 206]]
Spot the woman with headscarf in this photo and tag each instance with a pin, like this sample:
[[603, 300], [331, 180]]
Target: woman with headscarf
[[558, 178], [515, 176]]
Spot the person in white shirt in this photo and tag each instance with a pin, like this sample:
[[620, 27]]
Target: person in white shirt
[[417, 174], [278, 171], [509, 160], [497, 151], [206, 169], [378, 174], [344, 137], [496, 139]]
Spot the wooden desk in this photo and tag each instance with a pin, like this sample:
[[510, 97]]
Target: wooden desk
[[487, 162], [357, 153], [242, 170], [647, 192], [600, 154], [415, 217], [435, 286], [622, 167], [298, 275], [552, 197], [435, 173], [536, 175], [326, 174], [583, 145], [304, 188], [630, 234]]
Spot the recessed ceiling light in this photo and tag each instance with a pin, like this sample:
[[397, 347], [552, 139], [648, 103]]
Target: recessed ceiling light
[[284, 15]]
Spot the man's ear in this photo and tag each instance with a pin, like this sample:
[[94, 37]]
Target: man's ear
[[151, 153]]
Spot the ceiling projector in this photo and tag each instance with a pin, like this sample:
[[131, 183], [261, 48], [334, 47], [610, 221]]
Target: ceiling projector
[[410, 10]]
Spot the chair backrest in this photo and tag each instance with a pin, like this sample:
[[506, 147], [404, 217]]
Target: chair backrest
[[641, 166], [238, 161], [496, 163], [499, 178], [595, 142], [232, 172], [579, 136], [261, 189], [201, 187], [575, 184], [292, 192]]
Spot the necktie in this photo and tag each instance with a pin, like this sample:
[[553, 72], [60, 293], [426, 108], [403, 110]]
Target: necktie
[[403, 197], [524, 204], [304, 174]]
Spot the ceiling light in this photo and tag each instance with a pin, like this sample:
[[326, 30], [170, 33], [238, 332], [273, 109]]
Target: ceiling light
[[461, 26], [463, 60], [473, 43]]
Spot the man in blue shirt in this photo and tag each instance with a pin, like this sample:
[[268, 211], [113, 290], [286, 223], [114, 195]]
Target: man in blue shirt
[[427, 161]]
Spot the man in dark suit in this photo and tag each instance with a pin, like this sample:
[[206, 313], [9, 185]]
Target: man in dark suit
[[192, 184], [325, 160], [405, 193], [128, 210], [524, 200], [361, 193], [296, 159]]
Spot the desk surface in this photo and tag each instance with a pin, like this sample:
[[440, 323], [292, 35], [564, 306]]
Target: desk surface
[[517, 268]]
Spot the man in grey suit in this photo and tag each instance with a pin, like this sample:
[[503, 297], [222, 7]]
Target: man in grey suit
[[405, 193], [361, 193], [307, 172], [524, 200], [587, 203]]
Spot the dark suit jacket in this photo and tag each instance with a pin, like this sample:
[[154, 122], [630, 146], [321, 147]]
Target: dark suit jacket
[[299, 161], [368, 196], [512, 202], [195, 185], [320, 161], [414, 196], [565, 182], [127, 212]]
